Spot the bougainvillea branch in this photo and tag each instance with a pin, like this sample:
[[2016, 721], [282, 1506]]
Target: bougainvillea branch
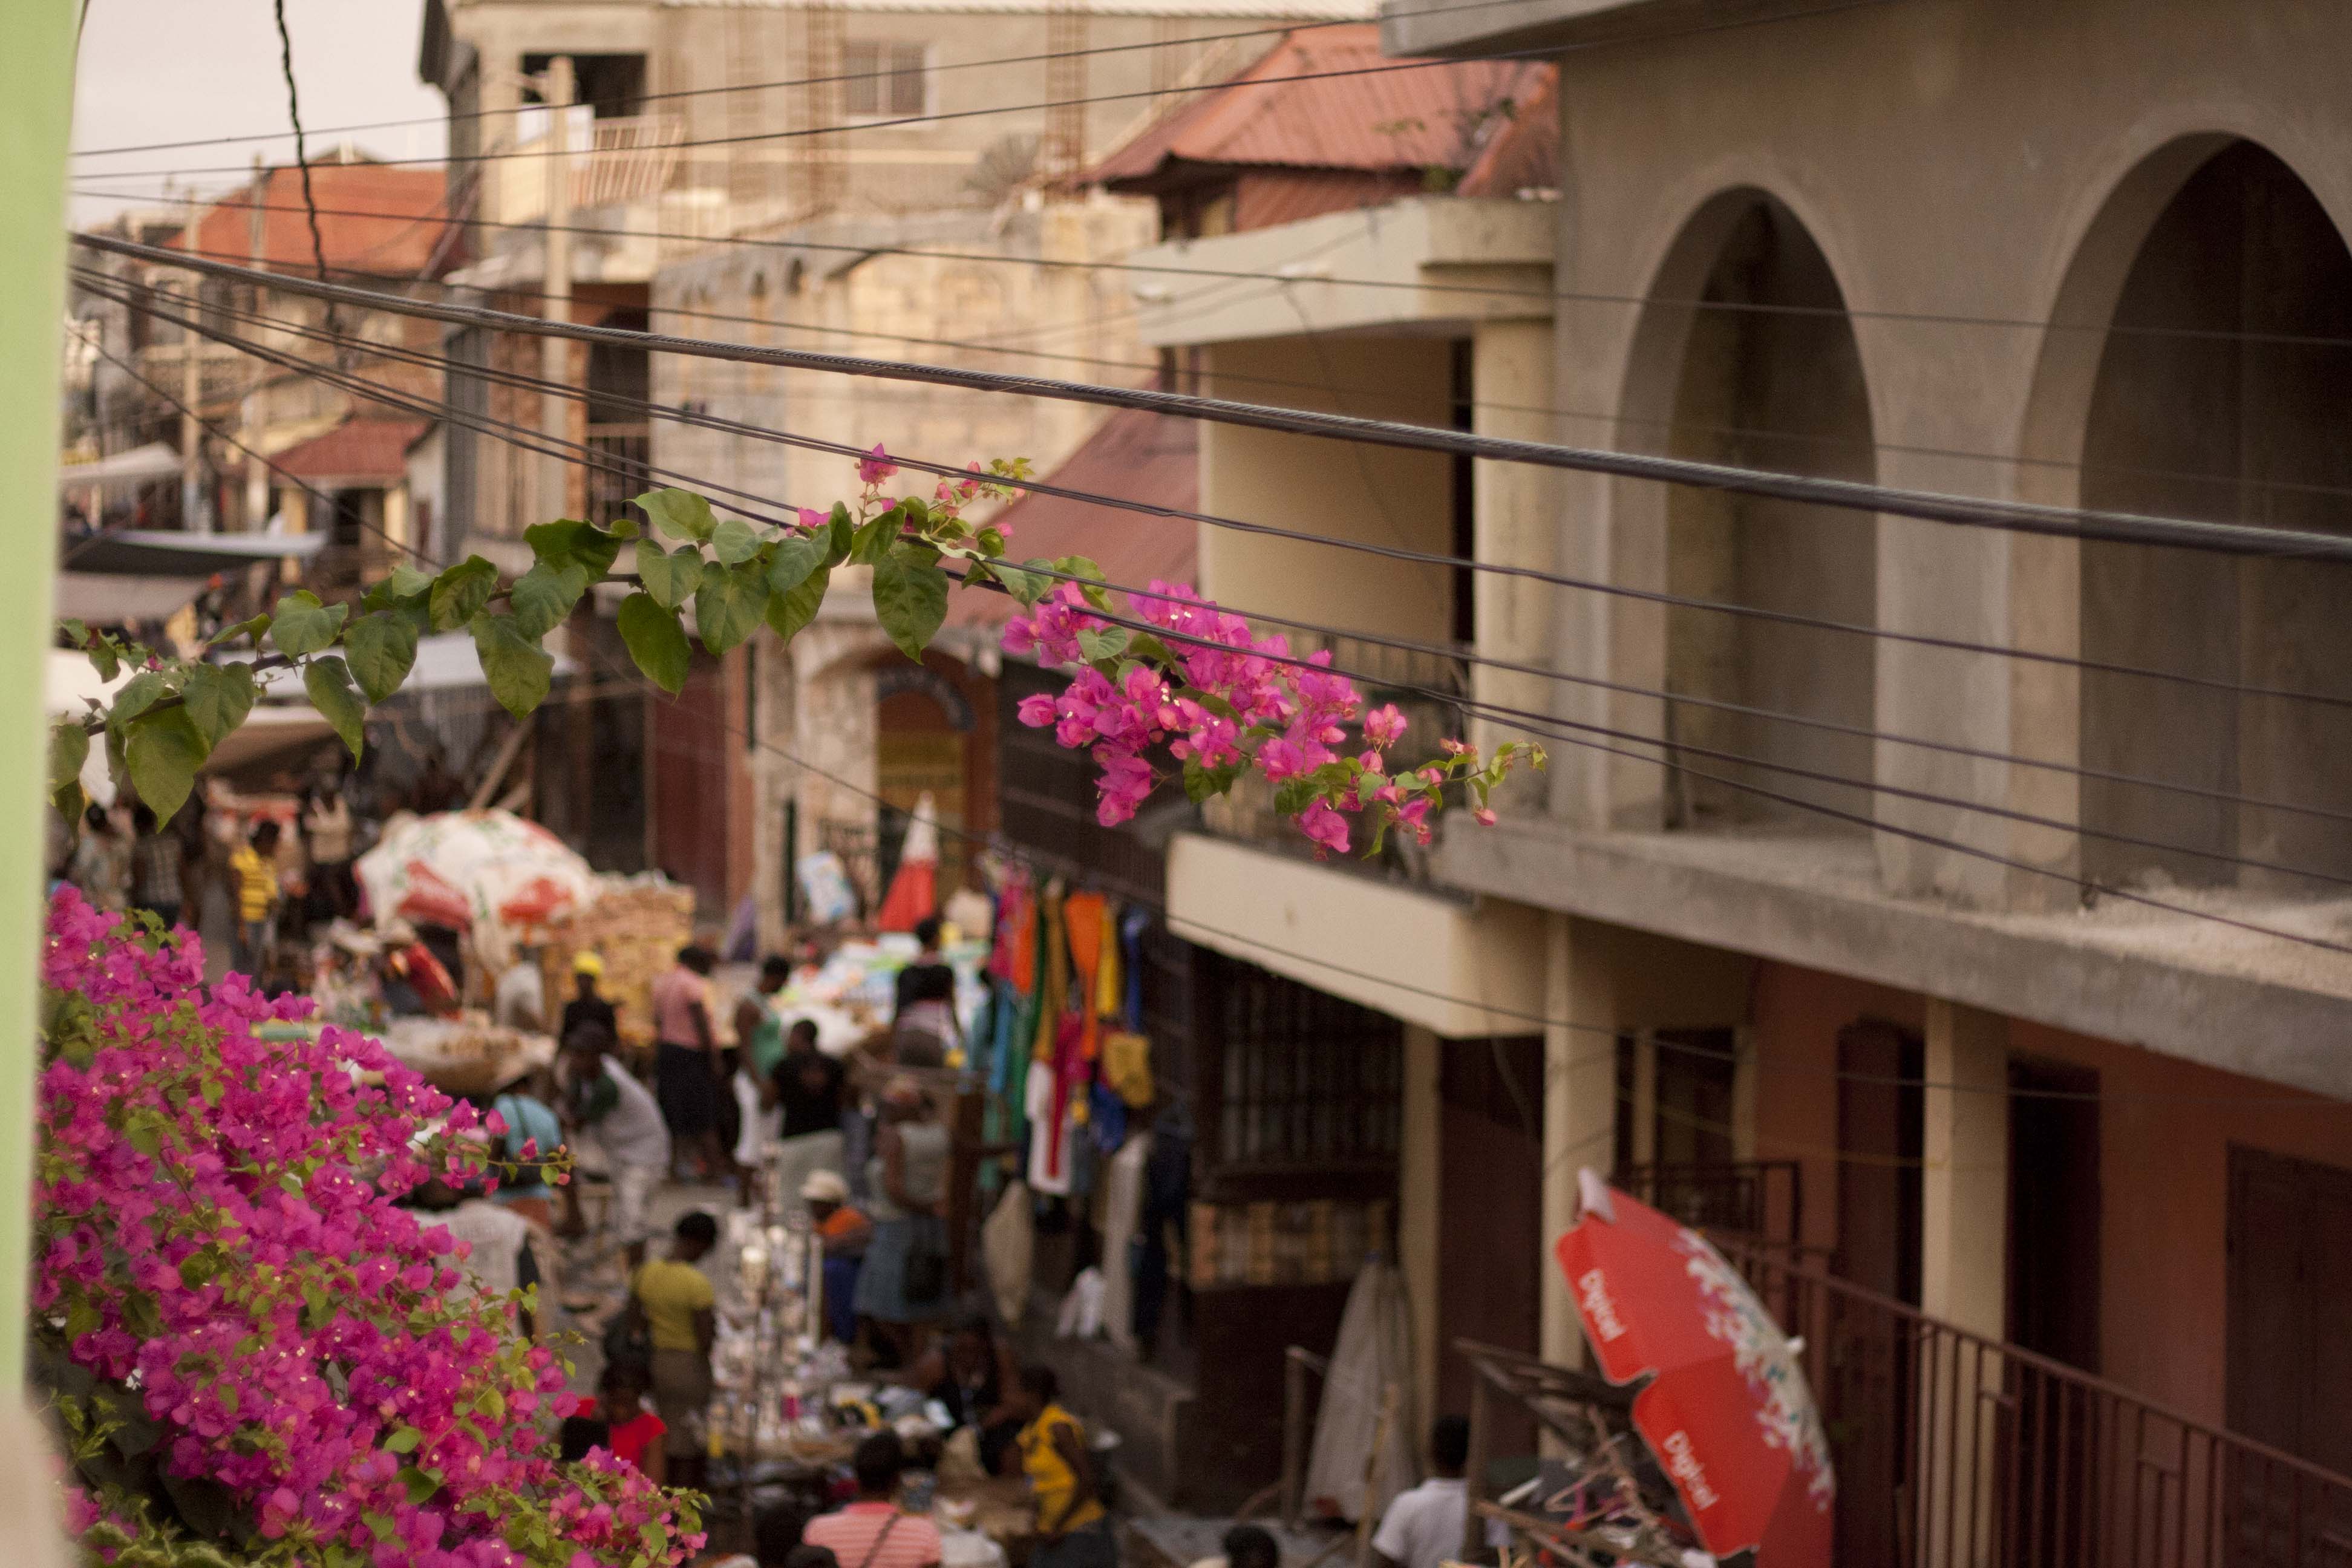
[[1204, 697]]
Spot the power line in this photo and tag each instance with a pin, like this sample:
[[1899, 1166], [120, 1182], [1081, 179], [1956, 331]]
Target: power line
[[644, 98], [1845, 494], [1535, 725], [985, 345], [1040, 859], [524, 381]]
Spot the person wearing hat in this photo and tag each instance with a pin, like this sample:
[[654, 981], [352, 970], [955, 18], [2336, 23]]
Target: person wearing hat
[[587, 1006], [844, 1233], [902, 1288]]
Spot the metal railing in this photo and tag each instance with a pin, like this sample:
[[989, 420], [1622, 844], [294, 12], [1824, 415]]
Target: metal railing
[[626, 158], [1958, 1451], [1762, 1199]]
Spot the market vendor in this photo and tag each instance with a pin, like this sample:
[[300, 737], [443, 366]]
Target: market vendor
[[844, 1230], [415, 982], [971, 1374], [588, 1005], [1073, 1527]]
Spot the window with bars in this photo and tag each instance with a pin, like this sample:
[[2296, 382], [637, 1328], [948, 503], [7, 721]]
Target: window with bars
[[886, 80], [1305, 1081]]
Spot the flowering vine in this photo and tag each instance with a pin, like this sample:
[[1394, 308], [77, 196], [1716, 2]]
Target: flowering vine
[[249, 1342], [1215, 698], [1198, 695]]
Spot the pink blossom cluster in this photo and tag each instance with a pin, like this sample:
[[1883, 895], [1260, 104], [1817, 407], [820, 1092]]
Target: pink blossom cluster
[[1218, 698], [218, 1231]]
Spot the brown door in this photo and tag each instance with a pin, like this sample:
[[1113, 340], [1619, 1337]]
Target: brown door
[[2054, 1210], [2290, 1367], [1490, 1247], [1868, 1367]]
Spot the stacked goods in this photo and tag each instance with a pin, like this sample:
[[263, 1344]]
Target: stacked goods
[[1318, 1242], [465, 1055], [635, 924]]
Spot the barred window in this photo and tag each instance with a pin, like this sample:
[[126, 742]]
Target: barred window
[[886, 80]]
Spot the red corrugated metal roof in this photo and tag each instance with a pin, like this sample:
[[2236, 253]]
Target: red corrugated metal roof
[[355, 449], [1135, 456], [1436, 118], [398, 243]]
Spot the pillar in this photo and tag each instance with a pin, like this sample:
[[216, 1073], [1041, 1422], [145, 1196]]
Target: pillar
[[1963, 1277], [1421, 1200], [1579, 1102], [1516, 520]]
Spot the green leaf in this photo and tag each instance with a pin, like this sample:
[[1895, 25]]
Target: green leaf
[[1103, 642], [421, 1484], [1144, 646], [868, 543], [670, 579], [139, 693], [76, 633], [517, 668], [796, 557], [1028, 587], [788, 613], [571, 543], [403, 1441], [253, 627], [69, 750], [911, 600], [402, 581], [545, 594], [329, 682], [839, 532], [728, 606], [104, 659], [459, 592], [218, 696], [380, 649], [1090, 575], [735, 541], [656, 641], [162, 751], [301, 625], [197, 1269], [681, 514]]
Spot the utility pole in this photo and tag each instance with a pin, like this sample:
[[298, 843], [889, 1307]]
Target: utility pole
[[555, 414], [191, 386]]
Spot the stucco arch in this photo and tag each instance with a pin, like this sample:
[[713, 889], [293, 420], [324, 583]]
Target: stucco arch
[[1781, 387]]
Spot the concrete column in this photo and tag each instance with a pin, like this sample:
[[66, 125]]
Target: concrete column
[[1963, 1276], [1419, 1205], [1516, 519], [1579, 1102]]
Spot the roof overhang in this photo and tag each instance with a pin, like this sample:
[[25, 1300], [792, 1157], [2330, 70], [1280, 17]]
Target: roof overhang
[[1465, 28], [165, 552], [1410, 265]]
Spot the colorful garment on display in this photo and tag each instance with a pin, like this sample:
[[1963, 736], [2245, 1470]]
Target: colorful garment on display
[[1083, 915]]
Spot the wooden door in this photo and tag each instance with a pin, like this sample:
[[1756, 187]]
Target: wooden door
[[2290, 1359], [1490, 1247]]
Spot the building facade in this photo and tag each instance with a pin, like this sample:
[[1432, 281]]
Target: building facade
[[1829, 933]]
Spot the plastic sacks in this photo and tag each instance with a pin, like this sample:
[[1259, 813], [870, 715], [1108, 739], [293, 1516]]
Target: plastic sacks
[[1374, 1350]]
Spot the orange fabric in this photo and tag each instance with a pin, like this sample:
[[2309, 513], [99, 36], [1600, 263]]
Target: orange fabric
[[1082, 915]]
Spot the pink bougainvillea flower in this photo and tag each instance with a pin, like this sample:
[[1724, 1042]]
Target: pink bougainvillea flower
[[875, 468], [1326, 826], [1384, 726]]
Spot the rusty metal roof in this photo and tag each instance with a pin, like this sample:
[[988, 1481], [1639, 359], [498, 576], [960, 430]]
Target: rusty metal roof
[[1438, 118], [399, 242], [1136, 456]]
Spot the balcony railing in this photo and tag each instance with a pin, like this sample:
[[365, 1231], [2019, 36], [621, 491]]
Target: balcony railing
[[1956, 1451], [1427, 688], [623, 159], [1758, 1200]]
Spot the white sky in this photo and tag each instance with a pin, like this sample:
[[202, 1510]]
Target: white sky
[[167, 70]]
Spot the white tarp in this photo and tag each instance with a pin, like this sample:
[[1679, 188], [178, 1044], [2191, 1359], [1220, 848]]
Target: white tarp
[[489, 874], [1373, 1353], [140, 465]]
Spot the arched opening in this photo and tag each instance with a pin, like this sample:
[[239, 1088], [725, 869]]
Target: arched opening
[[1762, 370], [2224, 391], [933, 734]]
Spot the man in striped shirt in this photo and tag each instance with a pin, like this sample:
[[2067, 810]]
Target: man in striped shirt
[[871, 1532]]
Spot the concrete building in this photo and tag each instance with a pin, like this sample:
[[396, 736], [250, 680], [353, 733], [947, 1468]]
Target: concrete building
[[2093, 256]]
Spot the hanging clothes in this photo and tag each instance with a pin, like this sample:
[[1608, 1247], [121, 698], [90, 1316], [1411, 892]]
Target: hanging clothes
[[1051, 986], [1049, 1155], [1131, 927], [1082, 917], [1122, 1219], [1110, 992], [1126, 1066]]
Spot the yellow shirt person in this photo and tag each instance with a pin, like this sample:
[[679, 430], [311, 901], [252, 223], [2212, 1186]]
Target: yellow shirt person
[[254, 866]]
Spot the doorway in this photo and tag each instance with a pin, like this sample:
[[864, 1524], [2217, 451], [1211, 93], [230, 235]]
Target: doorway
[[1491, 1254], [2054, 1210], [1880, 1136]]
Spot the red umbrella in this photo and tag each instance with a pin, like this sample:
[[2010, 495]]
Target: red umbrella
[[1726, 1410]]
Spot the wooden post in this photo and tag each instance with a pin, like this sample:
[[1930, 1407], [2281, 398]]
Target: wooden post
[[1473, 1468]]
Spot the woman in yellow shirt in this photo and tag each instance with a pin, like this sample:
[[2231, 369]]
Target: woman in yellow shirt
[[1073, 1528]]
